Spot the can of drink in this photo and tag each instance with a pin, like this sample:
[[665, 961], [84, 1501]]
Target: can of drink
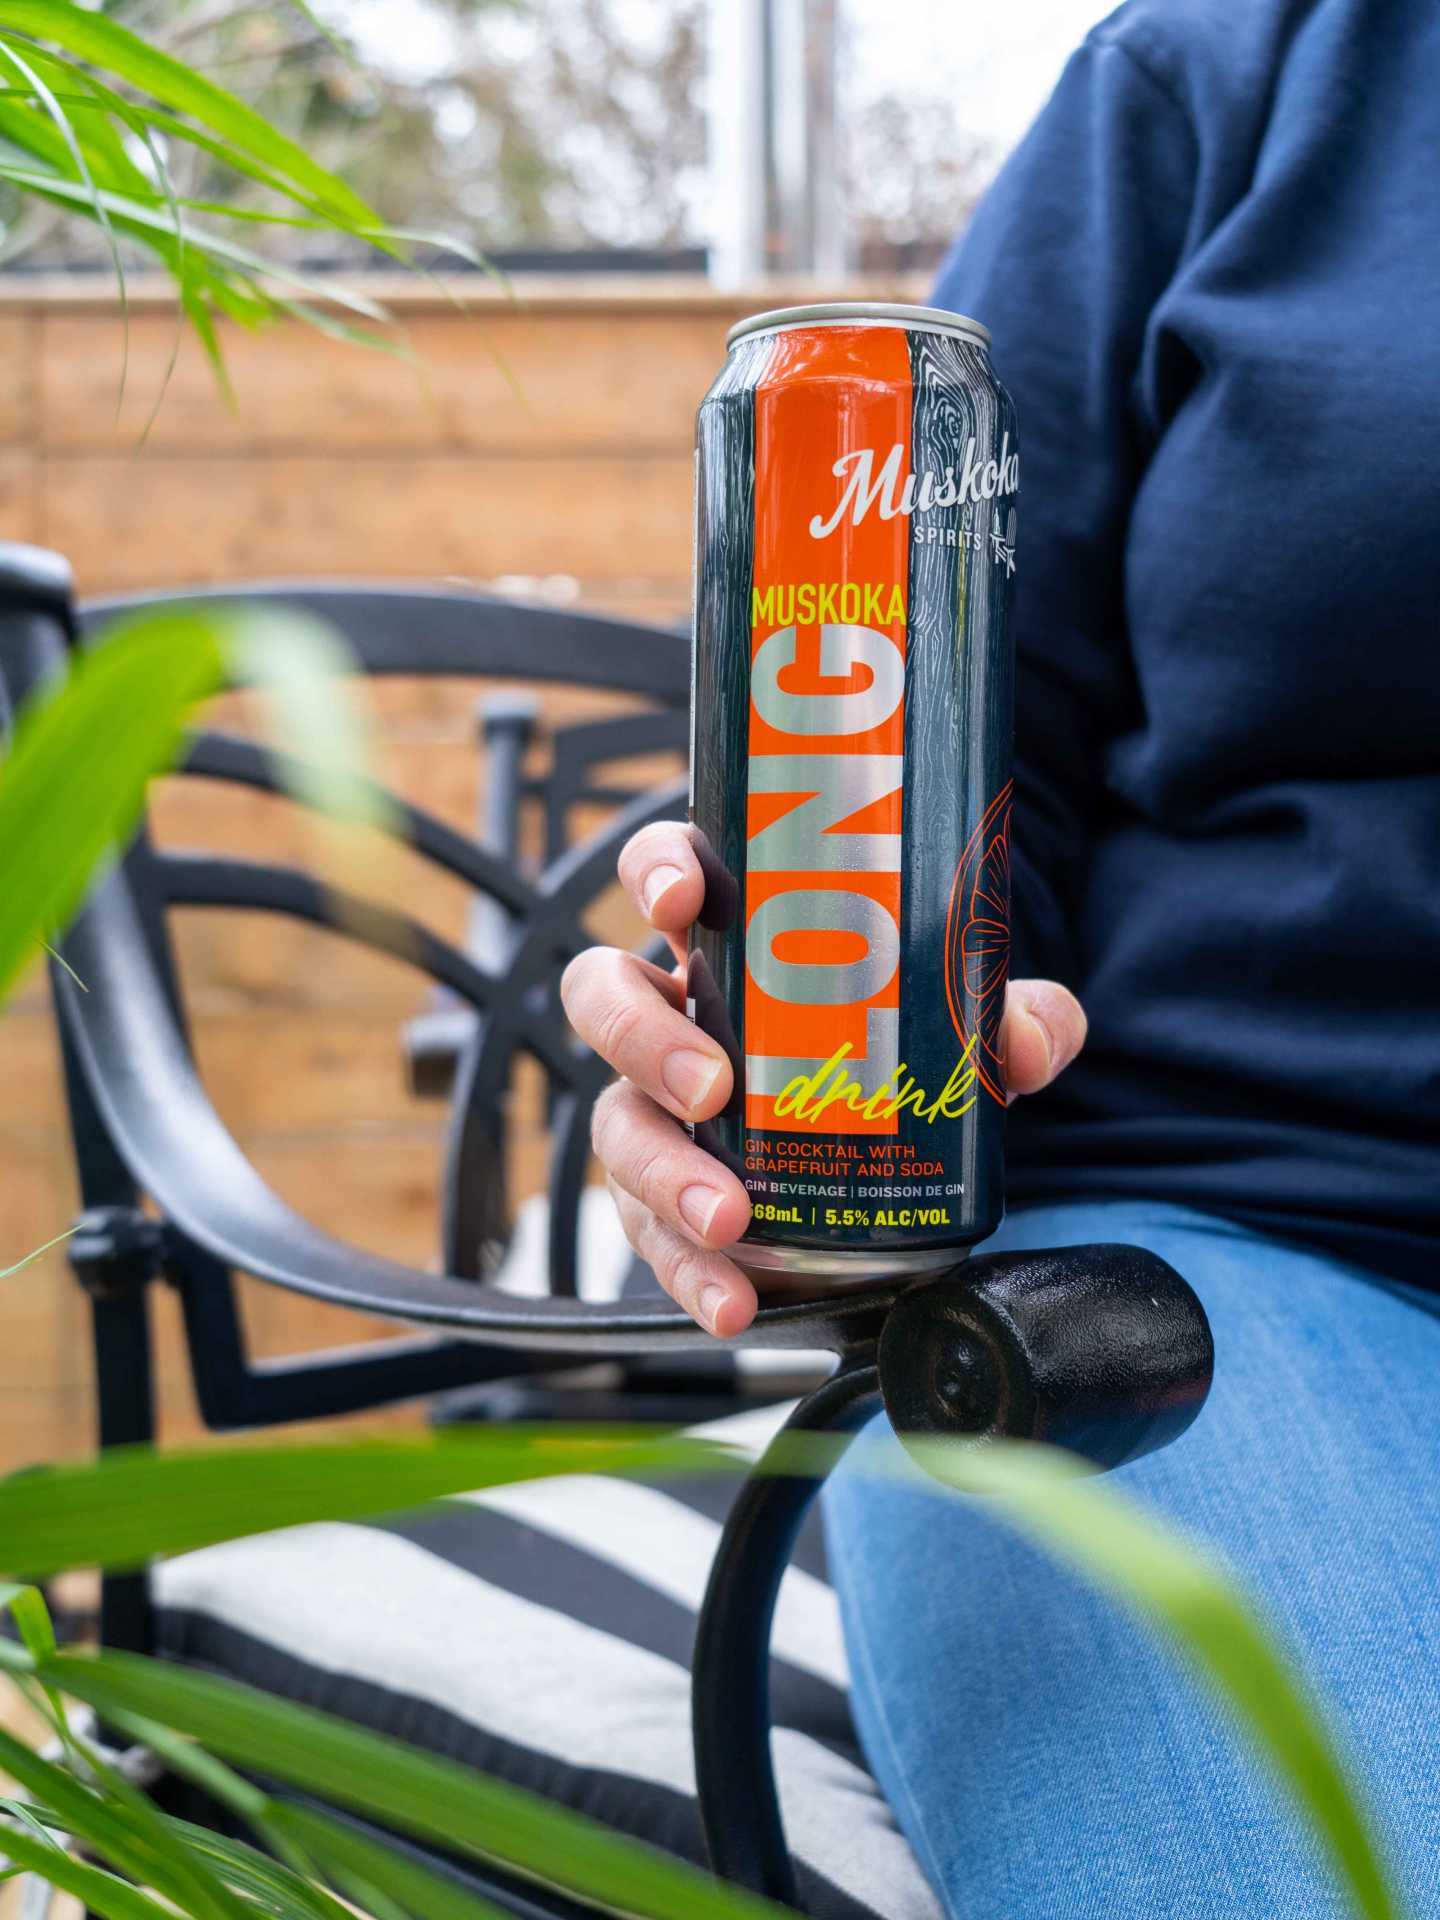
[[856, 481]]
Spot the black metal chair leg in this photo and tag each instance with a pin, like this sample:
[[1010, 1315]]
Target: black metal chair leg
[[115, 1253], [124, 1387], [731, 1680]]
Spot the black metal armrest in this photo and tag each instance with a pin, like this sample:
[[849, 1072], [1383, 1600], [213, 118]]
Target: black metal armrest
[[155, 1108], [1104, 1350], [1065, 1356]]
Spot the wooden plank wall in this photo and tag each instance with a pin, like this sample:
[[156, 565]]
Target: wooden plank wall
[[541, 443]]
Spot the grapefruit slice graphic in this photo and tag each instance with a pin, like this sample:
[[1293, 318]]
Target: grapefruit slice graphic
[[977, 941]]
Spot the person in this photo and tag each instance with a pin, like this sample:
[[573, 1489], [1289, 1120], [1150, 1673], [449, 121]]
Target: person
[[1211, 271]]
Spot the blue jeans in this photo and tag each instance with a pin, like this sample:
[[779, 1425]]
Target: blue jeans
[[1045, 1756]]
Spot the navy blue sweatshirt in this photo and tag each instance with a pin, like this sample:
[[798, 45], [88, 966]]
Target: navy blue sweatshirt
[[1212, 271]]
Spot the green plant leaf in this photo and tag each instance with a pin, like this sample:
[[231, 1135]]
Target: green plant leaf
[[143, 217], [272, 1886], [204, 326], [233, 160], [316, 223], [27, 128], [275, 1886], [8, 1273], [113, 48], [439, 1801], [347, 331], [132, 1503], [31, 1821], [74, 152], [189, 1762], [135, 1845], [365, 1867], [88, 76], [119, 715], [290, 1867], [102, 154], [117, 1818], [101, 1892], [120, 712], [26, 1607], [115, 1509], [304, 673], [121, 172], [192, 272], [193, 1882], [102, 101]]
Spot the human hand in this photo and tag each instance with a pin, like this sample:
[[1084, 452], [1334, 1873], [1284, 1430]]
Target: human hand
[[679, 1206]]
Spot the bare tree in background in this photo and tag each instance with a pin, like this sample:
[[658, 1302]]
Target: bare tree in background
[[568, 124], [548, 124], [913, 176]]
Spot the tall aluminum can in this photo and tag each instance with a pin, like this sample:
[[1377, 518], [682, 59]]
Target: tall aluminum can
[[856, 480]]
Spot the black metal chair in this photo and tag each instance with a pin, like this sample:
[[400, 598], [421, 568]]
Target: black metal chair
[[1104, 1350]]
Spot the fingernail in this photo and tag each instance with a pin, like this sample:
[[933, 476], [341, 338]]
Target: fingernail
[[658, 883], [1047, 1037], [689, 1074], [698, 1207], [712, 1299]]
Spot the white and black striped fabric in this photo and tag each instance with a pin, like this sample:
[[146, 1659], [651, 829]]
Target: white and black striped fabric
[[542, 1633]]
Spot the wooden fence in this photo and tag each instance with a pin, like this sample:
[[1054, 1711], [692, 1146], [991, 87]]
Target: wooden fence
[[541, 443]]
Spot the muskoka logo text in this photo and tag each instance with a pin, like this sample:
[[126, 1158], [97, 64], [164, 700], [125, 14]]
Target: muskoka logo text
[[865, 486]]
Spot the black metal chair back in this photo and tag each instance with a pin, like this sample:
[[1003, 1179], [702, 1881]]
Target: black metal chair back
[[389, 631]]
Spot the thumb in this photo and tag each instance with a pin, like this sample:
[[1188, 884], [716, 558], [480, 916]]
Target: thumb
[[1044, 1030]]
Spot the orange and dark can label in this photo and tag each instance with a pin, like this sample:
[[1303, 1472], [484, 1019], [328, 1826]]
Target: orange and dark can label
[[856, 480]]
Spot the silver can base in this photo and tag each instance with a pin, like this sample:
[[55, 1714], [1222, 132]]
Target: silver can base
[[816, 1271]]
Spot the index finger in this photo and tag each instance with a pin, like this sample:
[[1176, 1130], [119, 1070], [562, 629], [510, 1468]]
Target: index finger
[[661, 873]]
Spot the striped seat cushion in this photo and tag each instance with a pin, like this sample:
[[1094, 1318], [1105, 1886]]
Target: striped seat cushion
[[542, 1633]]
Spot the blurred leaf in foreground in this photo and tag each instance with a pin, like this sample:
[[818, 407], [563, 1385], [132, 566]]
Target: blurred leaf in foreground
[[74, 774], [72, 780], [133, 1502]]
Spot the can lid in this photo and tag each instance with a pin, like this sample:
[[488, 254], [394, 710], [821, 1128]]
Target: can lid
[[861, 313]]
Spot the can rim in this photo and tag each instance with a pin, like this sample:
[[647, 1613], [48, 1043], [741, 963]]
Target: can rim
[[873, 313]]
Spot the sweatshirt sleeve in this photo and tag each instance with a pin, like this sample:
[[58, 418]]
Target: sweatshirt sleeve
[[1064, 262]]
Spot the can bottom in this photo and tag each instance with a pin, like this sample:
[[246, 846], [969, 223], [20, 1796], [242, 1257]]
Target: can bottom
[[818, 1270]]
